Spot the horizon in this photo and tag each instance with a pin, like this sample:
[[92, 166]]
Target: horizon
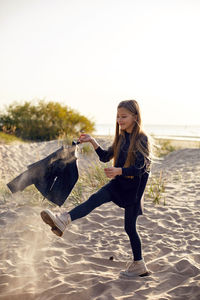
[[149, 124], [187, 132]]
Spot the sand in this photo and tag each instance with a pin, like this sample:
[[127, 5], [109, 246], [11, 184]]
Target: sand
[[35, 264]]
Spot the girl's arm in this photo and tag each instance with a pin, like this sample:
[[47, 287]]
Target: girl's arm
[[104, 155], [137, 169], [85, 138]]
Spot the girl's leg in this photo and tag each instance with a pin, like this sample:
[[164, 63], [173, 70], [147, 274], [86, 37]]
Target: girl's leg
[[130, 228], [59, 222], [137, 266], [95, 200]]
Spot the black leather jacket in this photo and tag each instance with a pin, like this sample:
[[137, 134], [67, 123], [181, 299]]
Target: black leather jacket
[[54, 176]]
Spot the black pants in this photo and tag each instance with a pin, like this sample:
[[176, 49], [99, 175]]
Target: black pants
[[130, 218]]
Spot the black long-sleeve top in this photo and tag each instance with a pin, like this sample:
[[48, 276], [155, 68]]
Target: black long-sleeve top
[[126, 191], [135, 170]]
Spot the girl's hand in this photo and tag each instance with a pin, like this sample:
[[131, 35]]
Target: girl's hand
[[112, 172], [84, 138]]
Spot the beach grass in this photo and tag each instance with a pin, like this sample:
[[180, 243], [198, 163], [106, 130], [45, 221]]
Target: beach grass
[[90, 182], [156, 189], [8, 138], [4, 193], [86, 149], [30, 196], [164, 147]]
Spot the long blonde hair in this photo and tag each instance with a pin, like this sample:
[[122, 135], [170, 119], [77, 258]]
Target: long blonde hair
[[138, 139]]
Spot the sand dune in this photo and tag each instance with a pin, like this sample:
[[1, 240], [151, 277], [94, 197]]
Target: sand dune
[[35, 264]]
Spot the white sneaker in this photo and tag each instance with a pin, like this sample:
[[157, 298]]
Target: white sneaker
[[136, 268], [57, 222]]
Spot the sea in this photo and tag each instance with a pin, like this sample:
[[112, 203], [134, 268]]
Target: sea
[[177, 132]]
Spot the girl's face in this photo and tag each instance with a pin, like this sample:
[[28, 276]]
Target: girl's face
[[125, 119]]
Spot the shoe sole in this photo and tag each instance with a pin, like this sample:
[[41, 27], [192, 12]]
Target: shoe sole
[[133, 276], [145, 274], [47, 219]]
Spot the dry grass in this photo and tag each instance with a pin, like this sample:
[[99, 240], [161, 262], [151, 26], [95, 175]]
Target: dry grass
[[8, 138]]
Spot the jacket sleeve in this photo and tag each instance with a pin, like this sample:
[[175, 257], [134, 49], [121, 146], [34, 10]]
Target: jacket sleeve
[[104, 155], [137, 169]]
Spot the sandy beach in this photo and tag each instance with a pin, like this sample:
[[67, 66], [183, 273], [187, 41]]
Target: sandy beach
[[35, 264]]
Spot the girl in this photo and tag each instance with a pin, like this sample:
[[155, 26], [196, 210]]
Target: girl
[[129, 174]]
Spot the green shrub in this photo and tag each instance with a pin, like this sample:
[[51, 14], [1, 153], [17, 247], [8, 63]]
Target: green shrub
[[44, 121]]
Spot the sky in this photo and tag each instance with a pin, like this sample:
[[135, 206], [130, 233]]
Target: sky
[[91, 54]]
